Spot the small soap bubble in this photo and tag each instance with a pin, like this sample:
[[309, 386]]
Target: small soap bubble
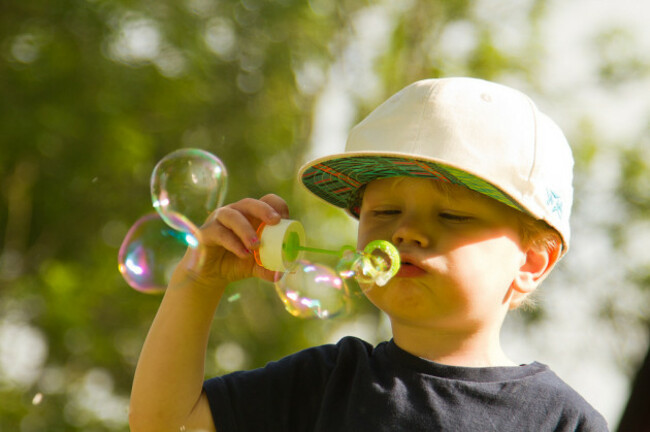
[[349, 264], [152, 249], [384, 259], [313, 291], [375, 265], [188, 184]]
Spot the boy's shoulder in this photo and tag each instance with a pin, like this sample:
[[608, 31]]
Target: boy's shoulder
[[554, 391]]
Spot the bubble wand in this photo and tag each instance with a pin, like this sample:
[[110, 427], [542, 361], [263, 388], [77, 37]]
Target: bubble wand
[[282, 246]]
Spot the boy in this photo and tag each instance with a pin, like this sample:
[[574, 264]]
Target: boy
[[472, 184]]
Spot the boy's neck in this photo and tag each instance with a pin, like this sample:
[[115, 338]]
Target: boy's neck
[[452, 347]]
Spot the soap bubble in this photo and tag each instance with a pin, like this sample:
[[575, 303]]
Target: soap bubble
[[152, 249], [312, 290], [349, 264], [375, 265], [187, 186]]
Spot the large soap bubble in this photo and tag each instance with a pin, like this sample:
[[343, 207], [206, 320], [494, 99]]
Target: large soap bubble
[[188, 184], [152, 249]]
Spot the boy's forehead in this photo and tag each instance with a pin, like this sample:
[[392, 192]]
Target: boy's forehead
[[403, 184], [449, 192]]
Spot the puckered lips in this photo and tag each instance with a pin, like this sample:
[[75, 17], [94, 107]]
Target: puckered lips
[[409, 267]]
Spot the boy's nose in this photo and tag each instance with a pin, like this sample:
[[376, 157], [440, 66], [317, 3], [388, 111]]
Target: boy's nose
[[410, 232]]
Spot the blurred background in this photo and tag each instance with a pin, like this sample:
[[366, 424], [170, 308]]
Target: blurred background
[[95, 92]]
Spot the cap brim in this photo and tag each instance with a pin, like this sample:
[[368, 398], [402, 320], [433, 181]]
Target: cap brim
[[337, 178]]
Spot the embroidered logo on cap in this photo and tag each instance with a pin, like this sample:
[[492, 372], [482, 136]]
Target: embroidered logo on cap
[[554, 203]]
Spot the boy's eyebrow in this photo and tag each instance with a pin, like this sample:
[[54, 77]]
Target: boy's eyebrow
[[457, 194]]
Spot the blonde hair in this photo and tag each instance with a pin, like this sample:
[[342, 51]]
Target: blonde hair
[[537, 233]]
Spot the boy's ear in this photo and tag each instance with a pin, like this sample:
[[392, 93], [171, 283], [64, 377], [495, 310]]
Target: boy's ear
[[536, 265]]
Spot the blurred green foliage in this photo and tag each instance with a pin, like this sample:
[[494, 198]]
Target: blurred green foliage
[[95, 92]]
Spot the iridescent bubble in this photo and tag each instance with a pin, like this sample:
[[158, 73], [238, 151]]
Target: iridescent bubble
[[188, 184], [152, 249], [349, 263], [375, 265], [313, 291]]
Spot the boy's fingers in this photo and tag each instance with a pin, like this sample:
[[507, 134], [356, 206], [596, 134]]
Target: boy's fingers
[[278, 204], [232, 222], [265, 274], [217, 234], [258, 210], [234, 226]]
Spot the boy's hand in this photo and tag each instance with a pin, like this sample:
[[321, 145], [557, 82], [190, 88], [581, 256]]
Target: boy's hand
[[229, 238]]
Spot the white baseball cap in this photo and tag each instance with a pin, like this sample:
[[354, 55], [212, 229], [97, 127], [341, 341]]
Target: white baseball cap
[[485, 136]]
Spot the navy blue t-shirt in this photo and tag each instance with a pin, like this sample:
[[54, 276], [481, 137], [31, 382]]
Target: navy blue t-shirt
[[353, 386]]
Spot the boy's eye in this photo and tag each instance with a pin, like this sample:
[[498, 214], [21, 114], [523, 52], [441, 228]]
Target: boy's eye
[[385, 212], [455, 218]]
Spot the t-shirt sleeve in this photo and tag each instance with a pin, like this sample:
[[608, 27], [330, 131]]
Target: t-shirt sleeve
[[572, 411], [282, 395], [580, 416]]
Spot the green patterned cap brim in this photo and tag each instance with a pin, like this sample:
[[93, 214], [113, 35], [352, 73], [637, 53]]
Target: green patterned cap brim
[[338, 180]]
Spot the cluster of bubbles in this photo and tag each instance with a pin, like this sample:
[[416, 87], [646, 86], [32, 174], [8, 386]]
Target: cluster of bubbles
[[186, 187], [310, 289]]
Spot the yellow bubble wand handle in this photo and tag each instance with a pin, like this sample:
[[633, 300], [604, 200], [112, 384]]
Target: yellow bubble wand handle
[[279, 245]]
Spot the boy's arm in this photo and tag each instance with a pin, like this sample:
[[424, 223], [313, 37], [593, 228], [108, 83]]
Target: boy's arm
[[170, 372], [167, 386]]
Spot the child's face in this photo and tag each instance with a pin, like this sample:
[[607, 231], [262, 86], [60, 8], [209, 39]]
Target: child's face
[[460, 252]]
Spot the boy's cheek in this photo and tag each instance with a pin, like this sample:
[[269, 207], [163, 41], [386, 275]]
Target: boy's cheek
[[361, 234], [363, 238]]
